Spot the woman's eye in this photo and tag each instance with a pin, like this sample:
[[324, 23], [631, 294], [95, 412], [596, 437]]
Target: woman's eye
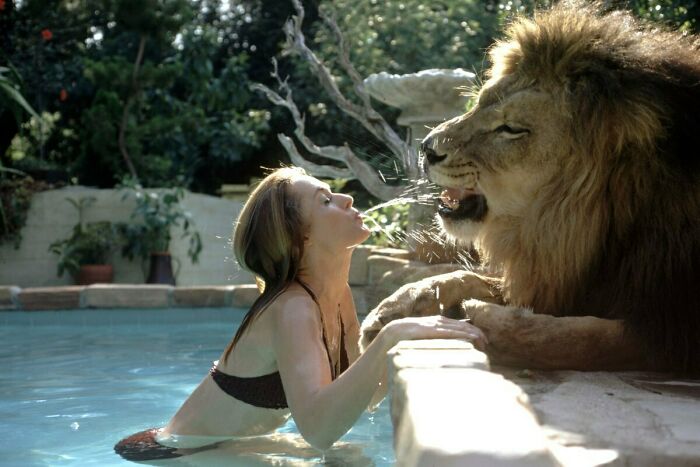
[[326, 200]]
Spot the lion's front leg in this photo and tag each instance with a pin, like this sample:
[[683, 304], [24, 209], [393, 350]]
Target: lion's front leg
[[430, 296], [519, 337]]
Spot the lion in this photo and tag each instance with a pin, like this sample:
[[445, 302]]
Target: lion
[[577, 176]]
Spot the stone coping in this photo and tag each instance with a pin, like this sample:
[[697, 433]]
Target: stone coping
[[449, 407], [125, 296]]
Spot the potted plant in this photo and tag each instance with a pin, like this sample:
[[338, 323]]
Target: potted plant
[[148, 234], [85, 254]]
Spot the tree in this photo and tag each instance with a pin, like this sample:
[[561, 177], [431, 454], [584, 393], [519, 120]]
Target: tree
[[363, 113], [44, 41], [149, 19], [180, 109], [155, 91], [398, 36]]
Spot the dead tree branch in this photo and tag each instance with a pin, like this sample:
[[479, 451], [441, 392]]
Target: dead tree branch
[[355, 167], [364, 113]]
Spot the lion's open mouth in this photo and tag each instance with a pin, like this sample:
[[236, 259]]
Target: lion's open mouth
[[462, 203]]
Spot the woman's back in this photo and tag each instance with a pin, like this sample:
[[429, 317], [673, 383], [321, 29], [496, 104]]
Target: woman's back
[[251, 369]]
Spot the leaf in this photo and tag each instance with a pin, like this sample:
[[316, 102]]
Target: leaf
[[18, 98]]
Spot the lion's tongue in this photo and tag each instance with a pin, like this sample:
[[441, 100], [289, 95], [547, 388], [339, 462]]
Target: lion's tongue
[[452, 196]]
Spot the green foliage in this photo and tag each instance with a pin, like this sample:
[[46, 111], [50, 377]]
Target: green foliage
[[34, 133], [45, 41], [398, 36], [156, 212], [676, 14], [405, 36], [192, 117], [189, 115], [89, 243], [159, 19], [10, 96], [15, 201], [389, 226], [101, 122]]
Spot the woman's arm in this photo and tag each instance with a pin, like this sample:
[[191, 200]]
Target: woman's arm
[[324, 410], [351, 325], [352, 344]]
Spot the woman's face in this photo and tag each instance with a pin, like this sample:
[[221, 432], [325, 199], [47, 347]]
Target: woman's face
[[330, 218]]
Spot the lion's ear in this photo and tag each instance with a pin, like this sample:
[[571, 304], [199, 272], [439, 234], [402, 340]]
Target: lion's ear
[[613, 113]]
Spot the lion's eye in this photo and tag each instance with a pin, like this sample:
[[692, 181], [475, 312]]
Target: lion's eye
[[510, 132]]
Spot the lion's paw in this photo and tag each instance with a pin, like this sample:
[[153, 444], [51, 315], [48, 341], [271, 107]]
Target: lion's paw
[[400, 304], [491, 317]]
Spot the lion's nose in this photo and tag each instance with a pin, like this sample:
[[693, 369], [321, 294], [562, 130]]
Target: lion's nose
[[431, 156]]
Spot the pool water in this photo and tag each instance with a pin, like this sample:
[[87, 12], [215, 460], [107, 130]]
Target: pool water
[[73, 383]]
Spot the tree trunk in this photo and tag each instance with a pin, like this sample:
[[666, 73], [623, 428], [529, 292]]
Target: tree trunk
[[127, 105]]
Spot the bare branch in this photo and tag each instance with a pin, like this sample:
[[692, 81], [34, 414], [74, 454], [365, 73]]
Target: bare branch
[[365, 114], [357, 168], [344, 55], [318, 170]]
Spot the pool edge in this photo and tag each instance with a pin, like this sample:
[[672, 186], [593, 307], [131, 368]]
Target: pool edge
[[104, 296]]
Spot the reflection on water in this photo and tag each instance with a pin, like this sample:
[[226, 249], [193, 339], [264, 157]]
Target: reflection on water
[[278, 449], [76, 382]]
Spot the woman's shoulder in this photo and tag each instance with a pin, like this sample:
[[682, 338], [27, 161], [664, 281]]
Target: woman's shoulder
[[294, 307]]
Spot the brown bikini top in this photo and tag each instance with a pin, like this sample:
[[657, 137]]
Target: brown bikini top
[[266, 391]]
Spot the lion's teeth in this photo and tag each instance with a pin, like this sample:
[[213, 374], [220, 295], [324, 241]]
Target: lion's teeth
[[451, 197], [448, 198]]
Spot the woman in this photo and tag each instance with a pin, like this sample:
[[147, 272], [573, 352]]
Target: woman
[[296, 351]]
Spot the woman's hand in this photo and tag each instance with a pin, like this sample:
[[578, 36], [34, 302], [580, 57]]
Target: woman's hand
[[433, 327]]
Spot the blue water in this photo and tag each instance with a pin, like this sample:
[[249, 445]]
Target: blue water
[[72, 383]]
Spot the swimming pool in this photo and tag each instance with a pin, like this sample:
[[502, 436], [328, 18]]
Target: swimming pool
[[72, 383]]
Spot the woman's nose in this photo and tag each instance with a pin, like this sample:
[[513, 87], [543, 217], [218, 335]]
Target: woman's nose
[[347, 201]]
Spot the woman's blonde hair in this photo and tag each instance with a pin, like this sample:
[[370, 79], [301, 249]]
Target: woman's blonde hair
[[268, 240]]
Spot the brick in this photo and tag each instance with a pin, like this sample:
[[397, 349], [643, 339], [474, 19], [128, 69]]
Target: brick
[[202, 296], [127, 296], [50, 298]]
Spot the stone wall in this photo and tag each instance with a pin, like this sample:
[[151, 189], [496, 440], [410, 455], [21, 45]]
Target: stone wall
[[51, 218]]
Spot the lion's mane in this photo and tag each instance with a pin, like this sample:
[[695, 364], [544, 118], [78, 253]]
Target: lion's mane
[[617, 235]]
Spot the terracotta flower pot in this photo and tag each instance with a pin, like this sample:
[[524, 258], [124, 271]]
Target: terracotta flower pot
[[95, 274], [160, 270]]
